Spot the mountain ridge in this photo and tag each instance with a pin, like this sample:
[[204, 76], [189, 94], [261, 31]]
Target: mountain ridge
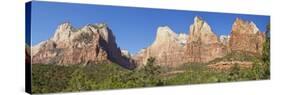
[[87, 45], [93, 43], [202, 44]]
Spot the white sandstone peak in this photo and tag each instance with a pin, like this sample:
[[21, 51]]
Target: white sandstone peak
[[165, 33], [255, 28]]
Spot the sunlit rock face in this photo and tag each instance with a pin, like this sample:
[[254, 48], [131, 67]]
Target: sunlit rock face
[[246, 37], [95, 43], [171, 49], [167, 48], [92, 43], [200, 31], [203, 44]]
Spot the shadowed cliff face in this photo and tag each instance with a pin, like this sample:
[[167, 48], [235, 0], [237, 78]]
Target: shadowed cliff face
[[201, 45], [88, 45]]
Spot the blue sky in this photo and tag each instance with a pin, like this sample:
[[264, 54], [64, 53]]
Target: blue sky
[[134, 28]]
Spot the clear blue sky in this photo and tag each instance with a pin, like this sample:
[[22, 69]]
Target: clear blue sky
[[134, 28]]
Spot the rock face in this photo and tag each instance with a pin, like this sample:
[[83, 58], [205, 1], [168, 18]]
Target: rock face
[[171, 49], [96, 43], [200, 31], [166, 45], [203, 44], [90, 44], [246, 37]]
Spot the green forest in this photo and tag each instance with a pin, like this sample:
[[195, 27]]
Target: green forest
[[50, 78]]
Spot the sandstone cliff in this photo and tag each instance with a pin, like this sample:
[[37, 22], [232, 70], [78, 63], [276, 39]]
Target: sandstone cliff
[[203, 44], [92, 43], [246, 37], [165, 49], [200, 31]]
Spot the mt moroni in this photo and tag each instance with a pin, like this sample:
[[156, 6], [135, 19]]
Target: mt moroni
[[95, 43]]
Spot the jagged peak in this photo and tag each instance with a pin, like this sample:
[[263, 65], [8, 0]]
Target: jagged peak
[[65, 26], [97, 25], [256, 29], [197, 19], [164, 29], [245, 23], [238, 19], [201, 31], [199, 24], [165, 33]]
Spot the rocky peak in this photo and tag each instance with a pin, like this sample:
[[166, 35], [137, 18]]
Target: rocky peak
[[200, 31], [65, 26], [198, 19], [255, 28], [104, 31], [167, 44], [246, 37], [243, 26], [164, 34], [89, 44], [63, 32]]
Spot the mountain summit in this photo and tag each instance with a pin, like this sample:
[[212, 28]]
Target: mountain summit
[[90, 44], [201, 45], [167, 44], [246, 37], [95, 43], [201, 31]]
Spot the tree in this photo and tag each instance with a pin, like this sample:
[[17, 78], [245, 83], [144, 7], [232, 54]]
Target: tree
[[78, 81], [266, 46], [266, 53], [234, 73], [151, 71], [151, 67]]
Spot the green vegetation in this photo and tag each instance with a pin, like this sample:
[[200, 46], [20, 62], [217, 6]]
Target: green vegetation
[[49, 78], [266, 52]]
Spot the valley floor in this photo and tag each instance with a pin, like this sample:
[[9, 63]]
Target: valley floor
[[50, 78]]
